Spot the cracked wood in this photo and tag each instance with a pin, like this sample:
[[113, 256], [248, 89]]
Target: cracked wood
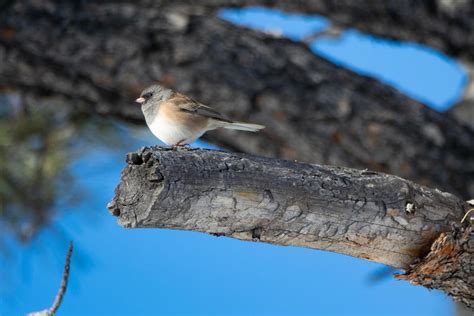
[[361, 213]]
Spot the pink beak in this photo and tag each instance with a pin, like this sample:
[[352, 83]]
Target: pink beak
[[140, 100]]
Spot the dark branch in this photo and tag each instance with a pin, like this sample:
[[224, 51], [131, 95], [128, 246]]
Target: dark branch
[[98, 56], [444, 25]]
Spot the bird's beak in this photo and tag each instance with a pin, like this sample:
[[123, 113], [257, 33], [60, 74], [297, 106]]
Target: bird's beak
[[140, 100]]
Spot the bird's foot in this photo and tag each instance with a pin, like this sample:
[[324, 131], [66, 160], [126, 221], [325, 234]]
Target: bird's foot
[[178, 145]]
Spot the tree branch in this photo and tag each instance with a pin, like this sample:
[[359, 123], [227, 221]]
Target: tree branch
[[62, 289], [361, 213], [315, 111], [444, 25]]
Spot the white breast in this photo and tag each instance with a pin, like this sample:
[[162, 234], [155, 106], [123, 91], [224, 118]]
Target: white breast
[[171, 133]]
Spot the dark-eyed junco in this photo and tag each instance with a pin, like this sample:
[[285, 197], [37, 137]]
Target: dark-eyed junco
[[179, 120]]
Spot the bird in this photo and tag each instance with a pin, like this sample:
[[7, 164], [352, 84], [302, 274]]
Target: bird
[[178, 120]]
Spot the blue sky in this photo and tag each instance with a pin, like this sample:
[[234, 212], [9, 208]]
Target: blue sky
[[163, 272]]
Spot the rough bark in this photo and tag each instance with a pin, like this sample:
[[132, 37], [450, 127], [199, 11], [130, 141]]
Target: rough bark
[[449, 266], [361, 213], [98, 56]]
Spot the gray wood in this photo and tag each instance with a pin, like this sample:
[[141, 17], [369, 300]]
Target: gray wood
[[365, 214], [369, 215]]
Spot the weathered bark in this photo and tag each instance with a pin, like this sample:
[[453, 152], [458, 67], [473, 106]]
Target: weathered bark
[[449, 266], [361, 213], [98, 56]]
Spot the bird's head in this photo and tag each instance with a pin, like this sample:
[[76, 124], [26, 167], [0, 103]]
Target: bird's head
[[153, 95]]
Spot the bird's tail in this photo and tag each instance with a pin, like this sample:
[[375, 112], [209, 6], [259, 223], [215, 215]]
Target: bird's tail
[[241, 126]]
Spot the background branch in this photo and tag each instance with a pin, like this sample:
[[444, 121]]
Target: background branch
[[97, 57], [444, 25]]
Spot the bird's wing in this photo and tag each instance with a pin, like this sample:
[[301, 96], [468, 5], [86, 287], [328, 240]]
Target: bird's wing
[[189, 105]]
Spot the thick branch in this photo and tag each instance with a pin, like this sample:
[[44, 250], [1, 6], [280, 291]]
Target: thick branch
[[98, 56], [444, 25], [364, 214]]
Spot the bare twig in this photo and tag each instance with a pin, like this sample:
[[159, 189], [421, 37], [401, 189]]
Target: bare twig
[[466, 215], [333, 31], [470, 202], [62, 290]]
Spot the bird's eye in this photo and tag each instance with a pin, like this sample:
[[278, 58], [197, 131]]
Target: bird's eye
[[148, 95]]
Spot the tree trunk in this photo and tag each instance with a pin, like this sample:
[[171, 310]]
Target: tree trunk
[[361, 213], [98, 56]]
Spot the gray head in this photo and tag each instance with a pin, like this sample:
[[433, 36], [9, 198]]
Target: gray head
[[153, 96]]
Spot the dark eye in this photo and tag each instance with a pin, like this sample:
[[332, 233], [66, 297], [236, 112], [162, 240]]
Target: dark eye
[[148, 95]]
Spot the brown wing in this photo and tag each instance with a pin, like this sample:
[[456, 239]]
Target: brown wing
[[187, 104]]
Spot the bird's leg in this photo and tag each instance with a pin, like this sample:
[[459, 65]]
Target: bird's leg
[[177, 145]]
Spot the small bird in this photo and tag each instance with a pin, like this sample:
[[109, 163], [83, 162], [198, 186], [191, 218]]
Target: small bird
[[178, 120]]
